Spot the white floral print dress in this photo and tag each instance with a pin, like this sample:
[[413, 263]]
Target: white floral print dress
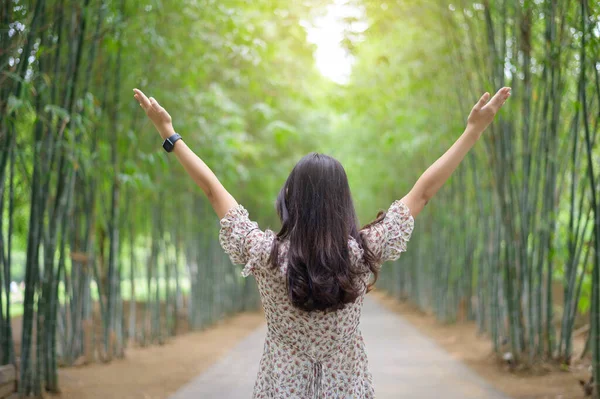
[[310, 355]]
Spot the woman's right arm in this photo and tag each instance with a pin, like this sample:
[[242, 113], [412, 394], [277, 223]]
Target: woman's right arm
[[436, 175], [219, 197]]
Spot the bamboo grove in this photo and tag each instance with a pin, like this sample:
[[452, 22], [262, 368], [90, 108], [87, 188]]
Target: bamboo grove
[[519, 222], [117, 247]]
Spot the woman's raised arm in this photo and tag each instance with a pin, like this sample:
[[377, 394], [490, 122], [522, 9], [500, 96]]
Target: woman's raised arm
[[219, 198], [435, 176]]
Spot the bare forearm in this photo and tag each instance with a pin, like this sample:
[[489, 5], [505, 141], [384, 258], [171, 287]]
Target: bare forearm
[[437, 174], [440, 171], [220, 199], [196, 168]]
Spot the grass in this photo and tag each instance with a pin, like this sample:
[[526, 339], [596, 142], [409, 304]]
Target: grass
[[141, 292]]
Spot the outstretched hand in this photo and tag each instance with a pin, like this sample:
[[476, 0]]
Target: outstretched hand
[[485, 110], [157, 114]]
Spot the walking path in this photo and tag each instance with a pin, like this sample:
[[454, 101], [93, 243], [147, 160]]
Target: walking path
[[404, 364]]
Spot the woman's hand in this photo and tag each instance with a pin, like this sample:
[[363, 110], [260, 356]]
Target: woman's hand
[[483, 112], [437, 174], [157, 114], [219, 198]]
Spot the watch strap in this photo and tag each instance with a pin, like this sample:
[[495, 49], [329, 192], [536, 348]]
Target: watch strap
[[169, 143]]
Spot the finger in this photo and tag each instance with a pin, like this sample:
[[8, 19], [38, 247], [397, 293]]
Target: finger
[[143, 100], [144, 103], [498, 100], [483, 100], [155, 104]]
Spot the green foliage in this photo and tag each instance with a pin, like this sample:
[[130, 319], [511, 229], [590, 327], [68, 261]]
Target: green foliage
[[240, 82]]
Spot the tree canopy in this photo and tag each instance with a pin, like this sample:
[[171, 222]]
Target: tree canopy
[[90, 203]]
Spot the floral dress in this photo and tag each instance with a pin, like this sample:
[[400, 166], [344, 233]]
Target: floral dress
[[310, 355]]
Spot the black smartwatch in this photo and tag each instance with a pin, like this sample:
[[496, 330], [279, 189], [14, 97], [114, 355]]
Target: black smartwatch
[[169, 143]]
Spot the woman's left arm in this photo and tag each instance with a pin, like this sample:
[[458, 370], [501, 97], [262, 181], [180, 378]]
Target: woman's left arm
[[218, 196], [436, 175]]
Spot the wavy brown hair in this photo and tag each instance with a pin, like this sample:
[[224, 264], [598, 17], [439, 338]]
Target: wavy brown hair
[[318, 217]]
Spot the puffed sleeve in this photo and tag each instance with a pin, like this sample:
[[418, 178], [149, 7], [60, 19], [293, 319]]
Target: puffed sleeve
[[388, 238], [242, 240]]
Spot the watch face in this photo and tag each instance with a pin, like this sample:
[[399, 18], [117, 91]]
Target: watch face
[[167, 145]]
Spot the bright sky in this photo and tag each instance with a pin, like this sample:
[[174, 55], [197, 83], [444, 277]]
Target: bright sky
[[327, 33]]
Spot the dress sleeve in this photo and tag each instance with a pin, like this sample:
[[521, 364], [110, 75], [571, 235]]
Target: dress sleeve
[[388, 238], [242, 240]]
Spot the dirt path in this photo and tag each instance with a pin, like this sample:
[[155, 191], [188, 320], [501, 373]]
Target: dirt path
[[462, 342], [404, 363], [157, 372]]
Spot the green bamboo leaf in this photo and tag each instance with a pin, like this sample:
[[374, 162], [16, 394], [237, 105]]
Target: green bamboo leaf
[[55, 110], [14, 104], [14, 77]]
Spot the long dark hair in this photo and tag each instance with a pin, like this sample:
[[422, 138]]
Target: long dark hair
[[318, 217]]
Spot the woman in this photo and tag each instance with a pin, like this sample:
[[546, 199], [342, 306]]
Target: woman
[[313, 274]]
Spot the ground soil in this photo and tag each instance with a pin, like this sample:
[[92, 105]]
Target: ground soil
[[155, 372], [547, 381]]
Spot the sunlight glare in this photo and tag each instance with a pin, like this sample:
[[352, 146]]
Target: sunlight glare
[[327, 32]]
